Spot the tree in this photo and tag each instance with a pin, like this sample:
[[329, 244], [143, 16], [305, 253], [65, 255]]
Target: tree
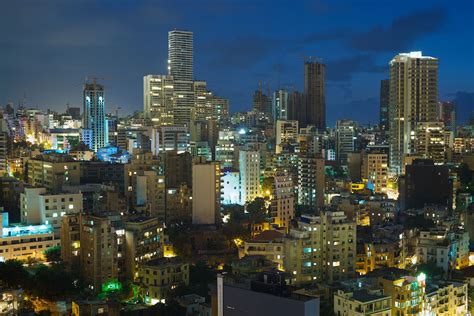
[[13, 274], [257, 211], [53, 254]]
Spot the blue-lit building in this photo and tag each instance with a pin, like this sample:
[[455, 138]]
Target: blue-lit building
[[24, 241], [94, 115], [113, 154]]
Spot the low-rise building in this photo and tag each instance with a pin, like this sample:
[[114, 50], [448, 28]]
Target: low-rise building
[[445, 298], [361, 303], [23, 242], [157, 277]]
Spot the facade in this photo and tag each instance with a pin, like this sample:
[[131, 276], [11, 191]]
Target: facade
[[315, 95], [384, 103], [262, 103], [280, 105], [71, 240], [98, 244], [230, 187], [143, 242], [413, 99], [286, 134], [425, 183], [282, 207], [173, 138], [345, 139], [362, 303], [375, 170], [206, 192], [53, 172], [407, 293], [23, 242], [447, 115], [321, 249], [94, 115], [445, 298], [158, 99], [430, 141], [38, 207], [311, 181], [157, 277], [249, 167], [180, 55]]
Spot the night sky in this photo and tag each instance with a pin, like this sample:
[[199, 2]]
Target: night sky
[[47, 48]]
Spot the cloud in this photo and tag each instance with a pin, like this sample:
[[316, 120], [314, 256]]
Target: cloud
[[243, 52], [401, 33], [343, 69], [363, 111]]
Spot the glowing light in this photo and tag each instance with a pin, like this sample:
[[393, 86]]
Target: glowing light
[[421, 277]]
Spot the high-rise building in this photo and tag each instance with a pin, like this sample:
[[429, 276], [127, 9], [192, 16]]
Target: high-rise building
[[249, 167], [425, 183], [430, 141], [374, 169], [206, 192], [280, 105], [262, 103], [180, 55], [286, 134], [447, 114], [98, 244], [413, 99], [345, 139], [53, 172], [296, 108], [180, 67], [321, 249], [158, 99], [311, 181], [314, 91], [384, 100], [282, 207], [94, 115]]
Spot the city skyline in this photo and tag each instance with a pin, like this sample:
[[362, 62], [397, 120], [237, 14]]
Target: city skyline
[[234, 61]]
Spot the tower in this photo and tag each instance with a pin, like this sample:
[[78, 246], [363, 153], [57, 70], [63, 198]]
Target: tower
[[413, 99], [94, 115], [314, 90]]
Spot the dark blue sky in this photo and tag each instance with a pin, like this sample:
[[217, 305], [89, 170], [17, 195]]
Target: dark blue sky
[[47, 48]]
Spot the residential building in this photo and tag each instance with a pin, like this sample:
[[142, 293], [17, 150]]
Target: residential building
[[143, 242], [158, 99], [413, 99], [286, 134], [157, 277], [430, 141], [23, 242], [71, 240], [375, 170], [321, 249], [311, 181], [249, 167], [99, 251], [407, 293], [362, 303], [53, 172], [206, 192], [282, 207], [230, 187], [280, 105], [445, 298], [345, 139]]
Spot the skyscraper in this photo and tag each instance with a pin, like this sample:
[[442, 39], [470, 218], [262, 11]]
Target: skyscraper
[[314, 90], [384, 97], [158, 94], [447, 114], [345, 139], [249, 166], [280, 105], [94, 115], [261, 102], [413, 99], [180, 66], [180, 55]]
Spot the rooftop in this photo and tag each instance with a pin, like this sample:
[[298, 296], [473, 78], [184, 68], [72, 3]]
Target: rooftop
[[365, 296], [16, 231]]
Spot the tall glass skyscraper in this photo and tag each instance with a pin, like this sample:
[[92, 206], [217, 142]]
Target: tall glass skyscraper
[[180, 67], [180, 55], [94, 116]]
